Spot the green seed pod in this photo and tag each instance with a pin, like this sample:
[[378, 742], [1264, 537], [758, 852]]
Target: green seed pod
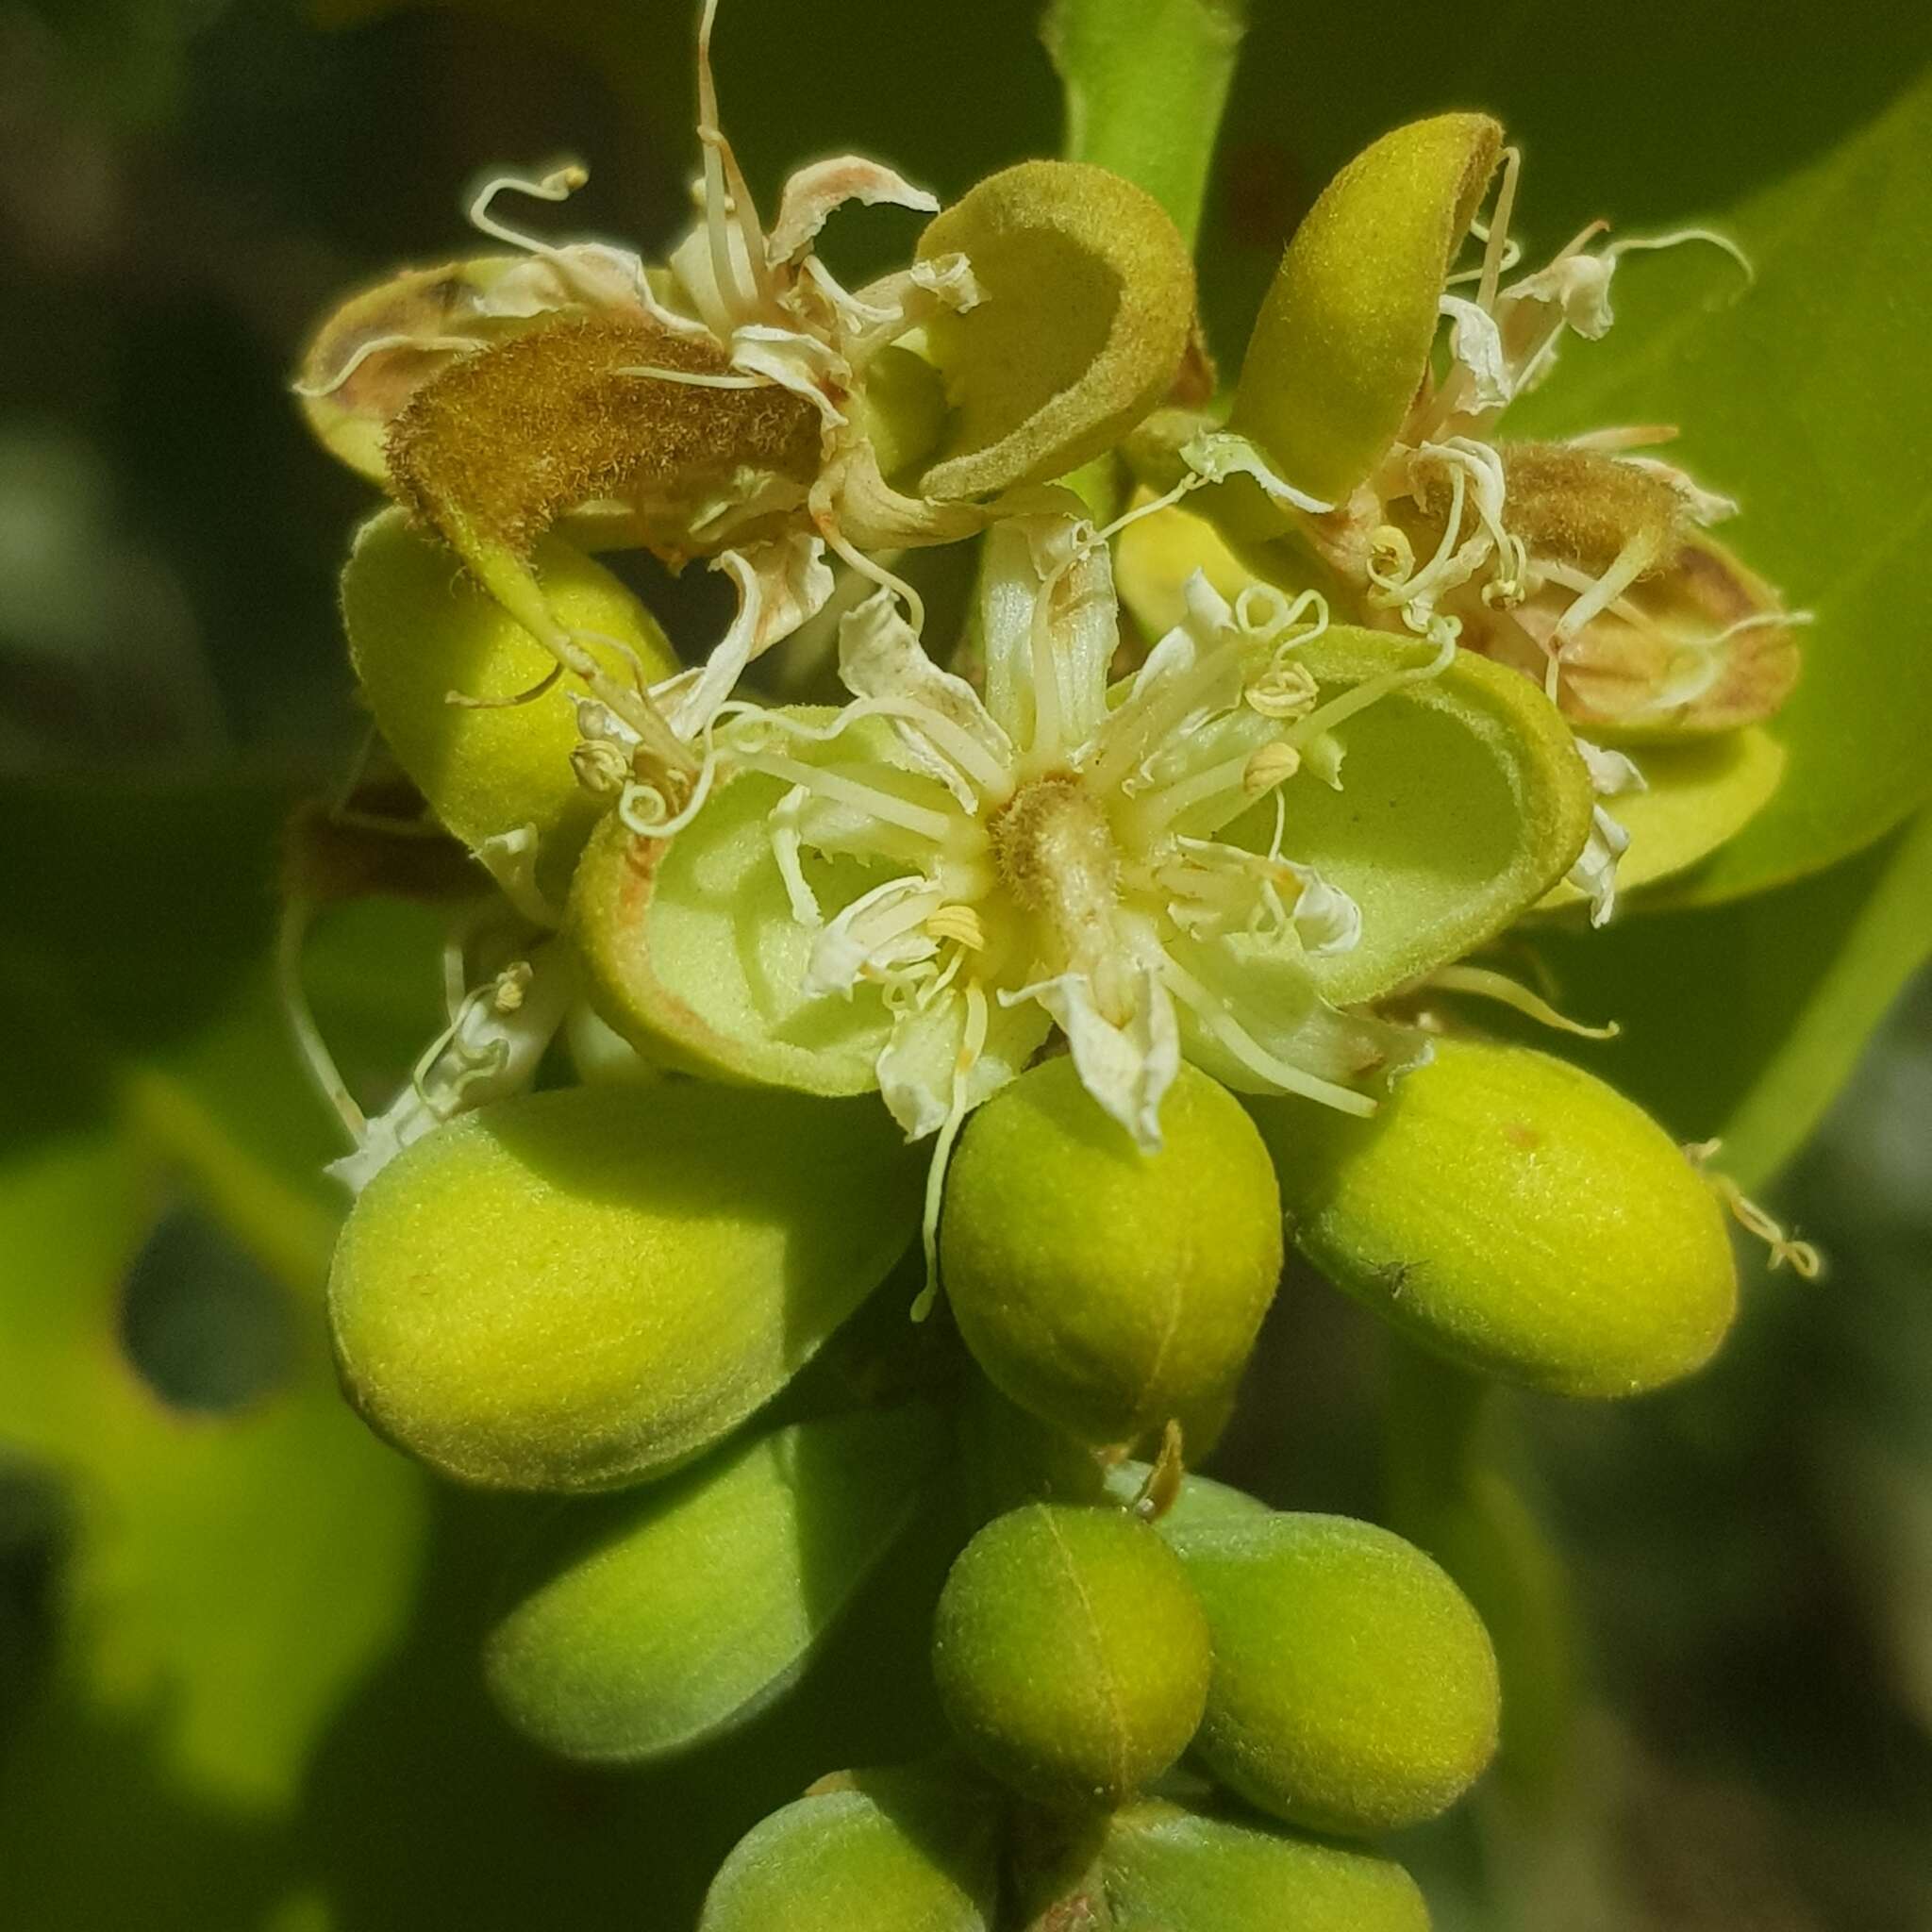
[[1343, 335], [1089, 298], [1517, 1215], [1174, 1870], [641, 1622], [1070, 1652], [887, 1851], [419, 630], [1106, 1289], [1355, 1689], [581, 1289]]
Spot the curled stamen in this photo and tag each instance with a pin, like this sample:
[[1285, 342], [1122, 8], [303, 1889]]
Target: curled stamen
[[1802, 1257], [463, 701], [693, 377], [972, 1045], [959, 923], [300, 1015], [315, 392], [1487, 984], [558, 185]]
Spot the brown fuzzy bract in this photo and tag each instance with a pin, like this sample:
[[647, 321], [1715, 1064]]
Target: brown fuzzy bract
[[506, 440], [1582, 507]]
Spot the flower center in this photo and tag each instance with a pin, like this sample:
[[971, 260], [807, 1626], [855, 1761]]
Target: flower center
[[1056, 853]]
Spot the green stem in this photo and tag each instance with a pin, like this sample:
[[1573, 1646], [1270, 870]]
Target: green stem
[[1145, 82]]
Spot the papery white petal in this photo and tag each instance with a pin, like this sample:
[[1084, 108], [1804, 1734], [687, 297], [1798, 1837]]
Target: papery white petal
[[879, 933], [818, 189], [916, 1066], [880, 657], [1326, 920], [1127, 1069], [510, 859], [489, 1055], [1219, 454], [780, 583], [1706, 507], [794, 362], [1477, 343]]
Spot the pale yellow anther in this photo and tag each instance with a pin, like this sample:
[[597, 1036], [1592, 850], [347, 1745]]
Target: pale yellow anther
[[957, 923], [1288, 692], [1271, 764]]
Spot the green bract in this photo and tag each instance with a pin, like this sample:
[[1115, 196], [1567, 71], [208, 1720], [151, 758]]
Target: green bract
[[696, 957], [1355, 1689], [887, 1852], [1462, 801], [421, 632], [640, 1624], [1343, 335], [1071, 1654], [1168, 1870], [1516, 1214], [1087, 301], [577, 1290], [1106, 1290]]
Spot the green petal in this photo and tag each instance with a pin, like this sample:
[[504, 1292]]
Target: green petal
[[696, 958], [1343, 335], [419, 629], [1462, 802], [578, 1290], [1699, 795], [1089, 298], [643, 1622]]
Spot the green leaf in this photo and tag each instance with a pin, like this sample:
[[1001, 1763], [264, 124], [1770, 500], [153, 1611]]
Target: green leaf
[[1743, 1021], [1144, 86], [1805, 395]]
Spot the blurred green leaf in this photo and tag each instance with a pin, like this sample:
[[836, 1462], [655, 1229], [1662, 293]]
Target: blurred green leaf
[[1144, 83], [1743, 1020]]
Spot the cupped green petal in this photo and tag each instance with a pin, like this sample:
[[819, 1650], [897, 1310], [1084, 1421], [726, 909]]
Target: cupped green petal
[[640, 1624], [1343, 335], [898, 1851], [1513, 1214], [1462, 801], [1696, 797], [1087, 302], [1176, 1870], [420, 632], [581, 1289], [698, 957]]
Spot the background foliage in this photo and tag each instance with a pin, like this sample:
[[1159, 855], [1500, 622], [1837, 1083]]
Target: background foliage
[[237, 1677]]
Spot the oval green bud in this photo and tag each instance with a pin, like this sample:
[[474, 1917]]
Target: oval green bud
[[1087, 298], [695, 956], [641, 1622], [1355, 1689], [1106, 1289], [1343, 335], [581, 1289], [1070, 1652], [1180, 1872], [420, 630], [1517, 1215], [887, 1852]]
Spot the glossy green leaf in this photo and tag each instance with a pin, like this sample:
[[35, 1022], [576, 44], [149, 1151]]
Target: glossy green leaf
[[639, 1624], [1804, 395]]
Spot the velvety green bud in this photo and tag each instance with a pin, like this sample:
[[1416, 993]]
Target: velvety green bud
[[419, 629], [1168, 1870], [1515, 1214], [1106, 1290], [887, 1852], [1070, 1652], [1343, 335], [580, 1288], [641, 1622], [1088, 302], [1355, 1689]]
